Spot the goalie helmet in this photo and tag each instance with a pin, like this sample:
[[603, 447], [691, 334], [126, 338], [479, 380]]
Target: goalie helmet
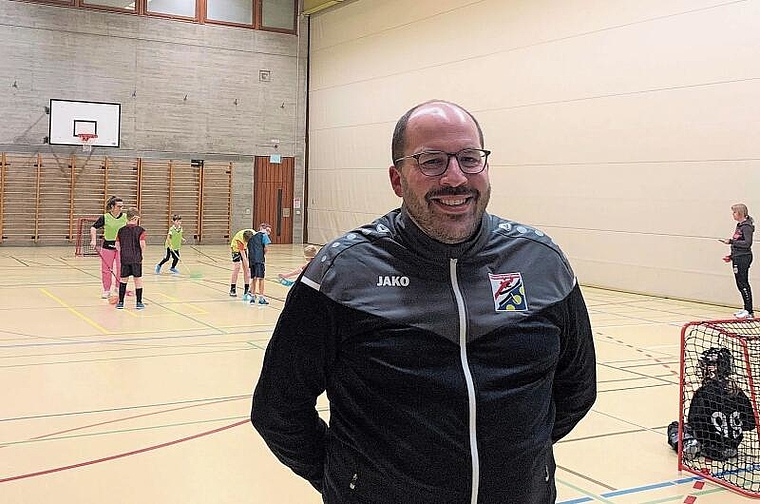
[[715, 363]]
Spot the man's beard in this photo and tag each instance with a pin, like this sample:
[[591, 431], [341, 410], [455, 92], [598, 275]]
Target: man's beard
[[450, 229]]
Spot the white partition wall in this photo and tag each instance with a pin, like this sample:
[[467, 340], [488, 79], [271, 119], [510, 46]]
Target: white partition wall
[[624, 129]]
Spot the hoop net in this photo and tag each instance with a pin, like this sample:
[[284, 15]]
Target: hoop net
[[87, 139]]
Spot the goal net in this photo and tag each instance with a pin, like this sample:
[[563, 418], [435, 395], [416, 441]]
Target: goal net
[[718, 418], [83, 247]]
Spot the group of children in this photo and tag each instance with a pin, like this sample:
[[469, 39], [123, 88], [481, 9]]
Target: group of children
[[123, 249], [248, 248]]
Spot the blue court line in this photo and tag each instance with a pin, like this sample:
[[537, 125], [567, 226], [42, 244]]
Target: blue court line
[[628, 491]]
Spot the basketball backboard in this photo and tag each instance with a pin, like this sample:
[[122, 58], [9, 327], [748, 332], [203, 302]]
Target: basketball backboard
[[69, 118]]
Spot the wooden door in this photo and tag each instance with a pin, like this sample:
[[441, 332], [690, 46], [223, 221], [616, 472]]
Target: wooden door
[[273, 196]]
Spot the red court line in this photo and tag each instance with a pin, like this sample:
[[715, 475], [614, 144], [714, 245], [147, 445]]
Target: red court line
[[121, 455], [124, 419]]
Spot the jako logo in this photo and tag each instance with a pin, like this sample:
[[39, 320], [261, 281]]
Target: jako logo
[[392, 281]]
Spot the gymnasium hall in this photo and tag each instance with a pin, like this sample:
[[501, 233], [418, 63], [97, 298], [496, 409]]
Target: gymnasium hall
[[624, 130]]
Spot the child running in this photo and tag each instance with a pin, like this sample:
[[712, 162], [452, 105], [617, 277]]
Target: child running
[[174, 241], [130, 242], [309, 251]]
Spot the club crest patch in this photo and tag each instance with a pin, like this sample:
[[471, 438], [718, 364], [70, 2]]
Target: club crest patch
[[508, 292]]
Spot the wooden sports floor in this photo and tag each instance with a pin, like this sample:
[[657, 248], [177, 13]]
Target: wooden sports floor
[[99, 405]]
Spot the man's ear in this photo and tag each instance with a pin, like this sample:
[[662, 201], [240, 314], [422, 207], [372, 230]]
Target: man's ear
[[395, 176]]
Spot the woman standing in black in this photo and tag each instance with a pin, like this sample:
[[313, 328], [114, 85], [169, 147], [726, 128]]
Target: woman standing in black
[[741, 256]]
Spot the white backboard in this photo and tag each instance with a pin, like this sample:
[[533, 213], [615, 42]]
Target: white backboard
[[69, 118]]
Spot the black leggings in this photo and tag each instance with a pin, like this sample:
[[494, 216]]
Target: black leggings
[[741, 274], [174, 254]]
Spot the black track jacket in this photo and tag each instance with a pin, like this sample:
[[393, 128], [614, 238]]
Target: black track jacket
[[450, 369]]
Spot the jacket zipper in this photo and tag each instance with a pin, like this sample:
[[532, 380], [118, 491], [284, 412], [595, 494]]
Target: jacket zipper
[[468, 380]]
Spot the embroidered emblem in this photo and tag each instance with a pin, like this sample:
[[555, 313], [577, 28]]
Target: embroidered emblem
[[508, 292]]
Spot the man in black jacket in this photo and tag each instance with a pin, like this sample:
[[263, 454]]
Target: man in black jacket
[[454, 346]]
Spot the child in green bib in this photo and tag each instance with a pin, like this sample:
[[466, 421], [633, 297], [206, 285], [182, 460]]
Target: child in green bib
[[174, 241]]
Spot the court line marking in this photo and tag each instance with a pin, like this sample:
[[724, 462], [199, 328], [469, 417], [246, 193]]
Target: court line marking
[[70, 341], [173, 299], [125, 408], [123, 454], [223, 344], [54, 436], [76, 312], [129, 357], [590, 497], [126, 430]]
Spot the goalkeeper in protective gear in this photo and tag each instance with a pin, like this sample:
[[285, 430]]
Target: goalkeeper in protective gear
[[719, 412]]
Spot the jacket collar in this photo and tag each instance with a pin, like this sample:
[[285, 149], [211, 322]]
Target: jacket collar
[[414, 238]]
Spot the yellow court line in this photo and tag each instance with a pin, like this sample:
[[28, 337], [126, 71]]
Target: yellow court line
[[131, 313], [76, 312], [155, 332], [170, 298], [198, 310], [268, 324]]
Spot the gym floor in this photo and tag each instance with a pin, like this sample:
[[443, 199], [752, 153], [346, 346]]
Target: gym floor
[[126, 406]]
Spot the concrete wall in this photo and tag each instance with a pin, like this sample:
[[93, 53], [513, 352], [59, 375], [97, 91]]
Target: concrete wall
[[150, 65]]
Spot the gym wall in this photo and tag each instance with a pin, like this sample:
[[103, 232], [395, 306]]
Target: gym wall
[[188, 91], [625, 130]]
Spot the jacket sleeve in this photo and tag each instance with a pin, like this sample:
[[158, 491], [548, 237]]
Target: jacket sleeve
[[575, 378], [747, 413], [293, 375], [745, 242]]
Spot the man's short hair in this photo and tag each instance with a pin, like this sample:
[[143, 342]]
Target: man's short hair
[[398, 144], [132, 212]]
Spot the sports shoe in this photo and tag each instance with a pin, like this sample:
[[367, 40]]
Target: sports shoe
[[248, 296], [253, 299], [139, 306], [174, 270], [158, 269], [106, 294], [673, 435], [691, 448], [233, 293], [120, 305], [262, 301], [286, 282], [743, 314]]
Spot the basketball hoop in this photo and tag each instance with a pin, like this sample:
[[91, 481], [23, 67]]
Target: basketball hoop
[[87, 139]]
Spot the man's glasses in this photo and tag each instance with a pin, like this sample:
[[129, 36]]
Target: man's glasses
[[435, 163]]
